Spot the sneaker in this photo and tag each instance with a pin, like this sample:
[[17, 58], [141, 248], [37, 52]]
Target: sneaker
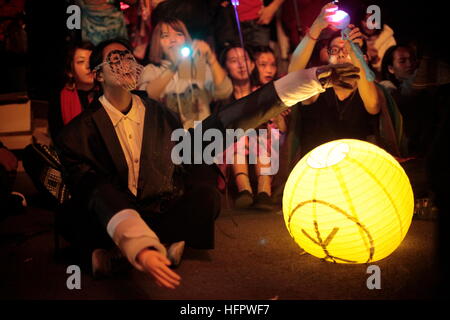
[[105, 263], [243, 200], [175, 253], [263, 202]]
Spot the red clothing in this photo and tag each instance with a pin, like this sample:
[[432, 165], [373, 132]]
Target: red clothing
[[248, 9], [70, 104]]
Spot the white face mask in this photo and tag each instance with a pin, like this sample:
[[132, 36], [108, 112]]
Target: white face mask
[[124, 67]]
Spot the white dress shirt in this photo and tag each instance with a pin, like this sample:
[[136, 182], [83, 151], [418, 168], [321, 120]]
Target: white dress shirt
[[129, 129], [128, 230]]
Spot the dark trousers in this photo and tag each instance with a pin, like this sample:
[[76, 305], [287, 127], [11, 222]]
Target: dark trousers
[[190, 218]]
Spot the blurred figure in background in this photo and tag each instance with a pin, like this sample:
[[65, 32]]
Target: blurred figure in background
[[102, 20]]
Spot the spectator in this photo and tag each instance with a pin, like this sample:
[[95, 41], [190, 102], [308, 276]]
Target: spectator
[[186, 86], [240, 67], [139, 27], [197, 15], [102, 20], [78, 90], [40, 160], [266, 68], [254, 17], [247, 76], [298, 16], [398, 69], [378, 41], [339, 112]]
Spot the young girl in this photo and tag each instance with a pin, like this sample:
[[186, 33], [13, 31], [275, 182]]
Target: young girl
[[246, 77], [266, 68], [78, 89], [187, 85]]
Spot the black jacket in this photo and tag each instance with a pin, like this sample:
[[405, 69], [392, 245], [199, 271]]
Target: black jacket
[[96, 169]]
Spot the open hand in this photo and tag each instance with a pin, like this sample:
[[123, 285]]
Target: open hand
[[157, 265], [266, 14], [201, 48], [355, 35]]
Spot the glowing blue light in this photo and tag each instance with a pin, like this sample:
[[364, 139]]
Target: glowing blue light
[[185, 51], [235, 2]]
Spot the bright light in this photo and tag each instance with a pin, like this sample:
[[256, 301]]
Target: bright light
[[340, 19], [327, 155], [348, 201], [185, 52], [124, 6]]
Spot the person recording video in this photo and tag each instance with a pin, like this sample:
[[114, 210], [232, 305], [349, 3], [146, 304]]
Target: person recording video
[[185, 84], [340, 112]]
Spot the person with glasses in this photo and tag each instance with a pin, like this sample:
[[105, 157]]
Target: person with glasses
[[340, 112]]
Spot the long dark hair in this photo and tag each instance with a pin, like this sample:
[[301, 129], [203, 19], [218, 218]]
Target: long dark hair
[[156, 52], [257, 52], [388, 61], [254, 78]]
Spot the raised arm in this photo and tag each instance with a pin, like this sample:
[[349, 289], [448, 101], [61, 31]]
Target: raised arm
[[371, 95], [156, 86], [273, 98], [303, 52]]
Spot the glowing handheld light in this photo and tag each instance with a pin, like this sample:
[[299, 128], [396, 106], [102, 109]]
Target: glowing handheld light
[[235, 4], [185, 51], [348, 201], [340, 19]]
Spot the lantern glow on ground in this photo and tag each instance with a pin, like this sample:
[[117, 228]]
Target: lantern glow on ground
[[348, 201]]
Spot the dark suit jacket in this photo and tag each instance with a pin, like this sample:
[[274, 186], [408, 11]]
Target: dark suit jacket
[[96, 169]]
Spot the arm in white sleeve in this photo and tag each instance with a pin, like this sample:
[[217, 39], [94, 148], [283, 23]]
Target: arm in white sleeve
[[298, 86], [131, 234]]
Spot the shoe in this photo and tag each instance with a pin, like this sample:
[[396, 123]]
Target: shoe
[[243, 200], [263, 202], [175, 253], [106, 263]]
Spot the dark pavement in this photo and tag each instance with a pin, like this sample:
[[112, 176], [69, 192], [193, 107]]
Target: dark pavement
[[255, 258]]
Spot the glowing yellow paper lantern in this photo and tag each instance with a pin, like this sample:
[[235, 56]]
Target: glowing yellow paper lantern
[[348, 201]]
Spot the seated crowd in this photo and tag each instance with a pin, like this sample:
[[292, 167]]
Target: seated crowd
[[111, 123]]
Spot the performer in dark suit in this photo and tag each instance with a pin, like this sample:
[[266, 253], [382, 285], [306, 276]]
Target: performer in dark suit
[[124, 184]]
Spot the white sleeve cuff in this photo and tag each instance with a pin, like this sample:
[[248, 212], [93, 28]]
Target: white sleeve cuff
[[132, 234], [298, 86]]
